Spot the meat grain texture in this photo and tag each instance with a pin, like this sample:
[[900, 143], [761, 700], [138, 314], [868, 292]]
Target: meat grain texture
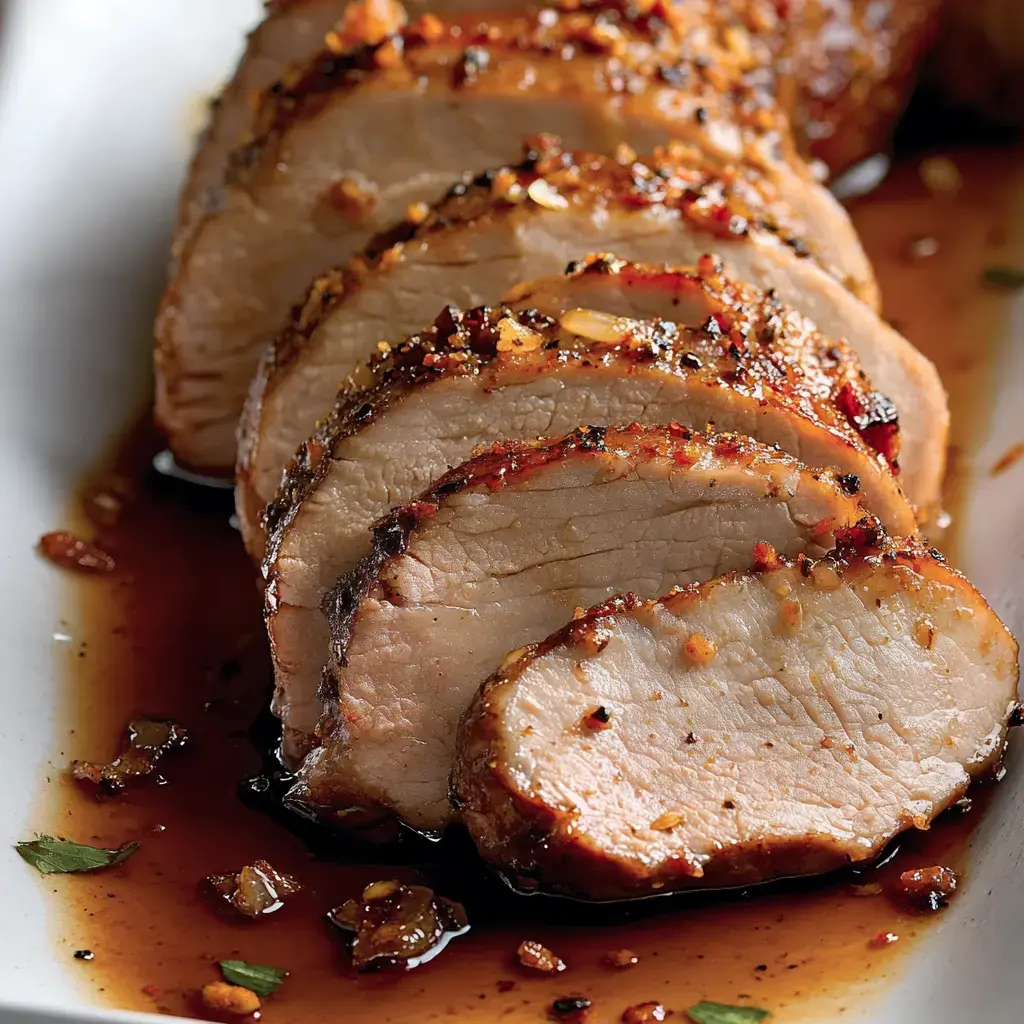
[[504, 548], [783, 721], [344, 145], [731, 356]]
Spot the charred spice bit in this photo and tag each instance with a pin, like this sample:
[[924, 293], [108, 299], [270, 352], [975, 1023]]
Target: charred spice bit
[[71, 552], [644, 1013], [84, 954], [538, 958], [597, 719], [570, 1009], [220, 997], [620, 959], [149, 739], [1010, 278], [255, 891], [396, 925], [928, 889], [883, 939]]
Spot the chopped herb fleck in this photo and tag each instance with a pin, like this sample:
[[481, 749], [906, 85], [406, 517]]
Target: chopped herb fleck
[[1004, 277], [721, 1013], [51, 856], [256, 977]]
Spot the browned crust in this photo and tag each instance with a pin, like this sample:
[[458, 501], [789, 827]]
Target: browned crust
[[752, 343], [643, 44], [533, 843]]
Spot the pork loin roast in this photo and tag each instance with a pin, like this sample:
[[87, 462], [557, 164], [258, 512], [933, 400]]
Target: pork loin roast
[[488, 373], [908, 380], [507, 545], [344, 148], [853, 62], [508, 225], [783, 721]]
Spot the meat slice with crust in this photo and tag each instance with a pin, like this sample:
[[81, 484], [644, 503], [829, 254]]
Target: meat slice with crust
[[738, 360], [344, 148], [487, 236], [784, 721], [507, 545], [838, 86], [911, 386]]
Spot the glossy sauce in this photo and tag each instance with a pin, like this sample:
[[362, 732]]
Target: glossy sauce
[[177, 632]]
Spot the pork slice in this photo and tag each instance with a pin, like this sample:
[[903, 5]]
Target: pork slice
[[511, 224], [908, 380], [784, 721], [343, 152], [507, 545], [837, 85], [491, 373]]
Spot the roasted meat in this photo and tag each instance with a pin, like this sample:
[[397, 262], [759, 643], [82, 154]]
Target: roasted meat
[[487, 373], [346, 145], [517, 223], [783, 721], [505, 546], [912, 390]]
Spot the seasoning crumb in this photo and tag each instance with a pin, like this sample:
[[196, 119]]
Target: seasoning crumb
[[1008, 459], [539, 958], [923, 248], [644, 1013], [883, 939], [571, 1009], [940, 175], [221, 997], [70, 552], [620, 959], [84, 954], [667, 821], [928, 888], [701, 650], [597, 719]]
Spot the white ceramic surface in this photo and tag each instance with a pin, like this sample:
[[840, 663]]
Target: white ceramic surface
[[97, 102]]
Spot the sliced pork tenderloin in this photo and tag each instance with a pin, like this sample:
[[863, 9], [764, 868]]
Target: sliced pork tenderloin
[[784, 721], [898, 370], [510, 543], [508, 225], [837, 85], [344, 149], [740, 362]]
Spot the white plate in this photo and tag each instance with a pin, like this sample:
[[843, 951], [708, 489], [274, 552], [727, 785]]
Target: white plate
[[97, 102]]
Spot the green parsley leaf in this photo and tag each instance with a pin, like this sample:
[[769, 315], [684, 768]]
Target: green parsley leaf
[[1004, 277], [720, 1013], [52, 856], [261, 980]]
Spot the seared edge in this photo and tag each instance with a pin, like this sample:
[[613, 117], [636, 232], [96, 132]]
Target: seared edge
[[531, 841]]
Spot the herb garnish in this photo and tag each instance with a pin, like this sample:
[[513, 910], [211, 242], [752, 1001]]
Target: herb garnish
[[51, 856], [720, 1013], [1004, 277], [255, 977]]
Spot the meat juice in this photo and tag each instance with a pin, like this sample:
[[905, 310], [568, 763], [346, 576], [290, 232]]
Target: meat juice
[[176, 631]]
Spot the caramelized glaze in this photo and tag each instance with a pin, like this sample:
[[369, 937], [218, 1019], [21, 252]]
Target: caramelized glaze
[[176, 632]]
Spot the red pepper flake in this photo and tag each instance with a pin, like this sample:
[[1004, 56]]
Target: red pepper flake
[[766, 558], [644, 1013], [539, 958], [597, 719], [1009, 458], [71, 552], [883, 939]]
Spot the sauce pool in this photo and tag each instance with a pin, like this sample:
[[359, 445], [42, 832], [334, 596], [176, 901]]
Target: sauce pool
[[177, 632]]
